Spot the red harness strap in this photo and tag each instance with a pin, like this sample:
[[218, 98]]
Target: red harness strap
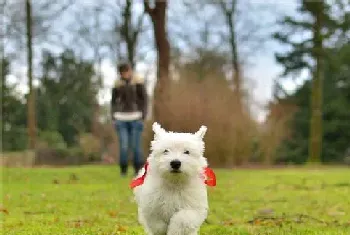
[[209, 179], [139, 181]]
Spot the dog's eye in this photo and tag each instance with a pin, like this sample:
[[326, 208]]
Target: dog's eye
[[166, 151], [187, 152]]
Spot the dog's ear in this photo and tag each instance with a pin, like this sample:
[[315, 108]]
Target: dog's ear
[[201, 132], [158, 130]]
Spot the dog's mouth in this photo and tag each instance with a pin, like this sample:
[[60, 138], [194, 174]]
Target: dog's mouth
[[175, 171]]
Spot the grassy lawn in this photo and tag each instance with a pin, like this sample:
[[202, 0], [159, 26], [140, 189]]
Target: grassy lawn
[[94, 200]]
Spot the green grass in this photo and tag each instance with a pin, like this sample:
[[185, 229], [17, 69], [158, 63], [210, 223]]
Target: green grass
[[283, 201]]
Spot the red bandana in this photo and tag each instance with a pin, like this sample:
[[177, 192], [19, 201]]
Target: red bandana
[[209, 177]]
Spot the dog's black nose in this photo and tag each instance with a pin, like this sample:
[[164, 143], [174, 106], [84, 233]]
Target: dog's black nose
[[175, 164]]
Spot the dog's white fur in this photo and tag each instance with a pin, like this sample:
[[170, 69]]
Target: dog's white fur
[[173, 203]]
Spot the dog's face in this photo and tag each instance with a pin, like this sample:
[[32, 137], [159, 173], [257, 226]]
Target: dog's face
[[177, 155]]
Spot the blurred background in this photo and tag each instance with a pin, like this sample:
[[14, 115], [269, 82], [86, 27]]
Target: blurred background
[[270, 79]]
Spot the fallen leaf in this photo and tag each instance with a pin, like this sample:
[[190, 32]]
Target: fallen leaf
[[78, 223], [4, 210], [55, 181], [257, 222], [73, 177], [112, 214], [121, 228], [229, 223]]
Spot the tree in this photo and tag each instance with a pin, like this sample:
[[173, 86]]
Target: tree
[[90, 35], [13, 118], [276, 128], [25, 25], [158, 17], [48, 93], [233, 27], [310, 54], [130, 32], [207, 64], [336, 128], [230, 10], [105, 27], [67, 85], [31, 96], [119, 25]]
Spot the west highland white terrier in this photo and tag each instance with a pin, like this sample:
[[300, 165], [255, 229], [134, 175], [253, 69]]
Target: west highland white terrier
[[170, 190]]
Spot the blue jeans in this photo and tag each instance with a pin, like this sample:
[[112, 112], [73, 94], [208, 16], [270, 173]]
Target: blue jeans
[[130, 138]]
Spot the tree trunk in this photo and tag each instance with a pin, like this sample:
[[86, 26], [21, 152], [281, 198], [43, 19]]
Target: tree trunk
[[315, 139], [161, 95], [31, 117], [237, 80], [242, 152], [126, 33], [131, 32], [237, 72]]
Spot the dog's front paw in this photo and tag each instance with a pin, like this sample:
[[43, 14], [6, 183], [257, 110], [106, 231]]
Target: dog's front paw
[[157, 228], [186, 222]]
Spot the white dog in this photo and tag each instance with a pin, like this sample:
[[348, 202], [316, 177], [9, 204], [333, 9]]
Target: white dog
[[171, 189]]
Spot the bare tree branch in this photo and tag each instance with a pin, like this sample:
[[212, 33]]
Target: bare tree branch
[[147, 7], [59, 12], [138, 29], [225, 8]]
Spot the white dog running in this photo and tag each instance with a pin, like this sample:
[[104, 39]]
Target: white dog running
[[171, 189]]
